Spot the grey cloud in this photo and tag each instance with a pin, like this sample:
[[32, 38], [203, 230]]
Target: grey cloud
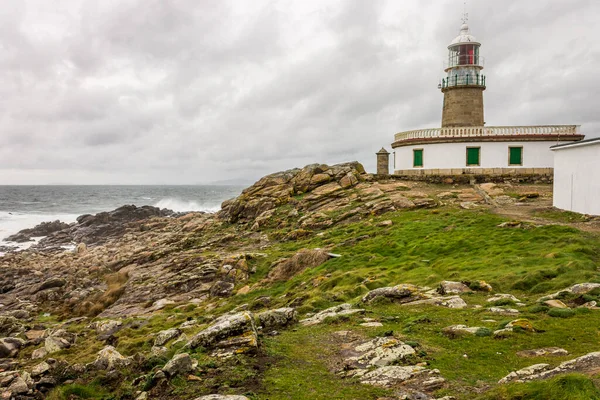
[[143, 91]]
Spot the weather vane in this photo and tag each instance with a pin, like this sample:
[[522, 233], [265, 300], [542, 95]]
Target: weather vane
[[465, 17]]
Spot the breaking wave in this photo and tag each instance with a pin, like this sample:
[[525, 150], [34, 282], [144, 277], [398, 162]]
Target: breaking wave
[[179, 205]]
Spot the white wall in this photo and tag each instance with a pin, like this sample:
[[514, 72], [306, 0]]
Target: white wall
[[577, 178], [492, 155]]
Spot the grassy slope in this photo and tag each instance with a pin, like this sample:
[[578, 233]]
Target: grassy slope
[[422, 247]]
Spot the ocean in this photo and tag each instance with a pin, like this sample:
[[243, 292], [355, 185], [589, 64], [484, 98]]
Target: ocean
[[26, 206]]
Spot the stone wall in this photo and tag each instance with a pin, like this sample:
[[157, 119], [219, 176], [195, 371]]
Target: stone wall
[[463, 106], [476, 175]]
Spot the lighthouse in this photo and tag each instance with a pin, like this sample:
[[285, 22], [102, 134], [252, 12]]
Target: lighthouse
[[465, 146], [464, 82]]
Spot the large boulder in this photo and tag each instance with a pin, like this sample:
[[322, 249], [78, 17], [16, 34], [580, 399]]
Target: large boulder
[[277, 318], [180, 364], [163, 337], [110, 359], [380, 352], [403, 293], [450, 287], [54, 344], [229, 333]]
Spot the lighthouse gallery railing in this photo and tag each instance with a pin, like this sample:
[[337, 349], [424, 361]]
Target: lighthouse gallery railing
[[474, 131]]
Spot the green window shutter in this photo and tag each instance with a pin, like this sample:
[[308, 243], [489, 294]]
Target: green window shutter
[[515, 156], [418, 158], [473, 156]]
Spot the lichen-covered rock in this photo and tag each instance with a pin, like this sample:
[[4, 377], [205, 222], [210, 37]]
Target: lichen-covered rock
[[503, 296], [106, 328], [18, 386], [403, 293], [163, 337], [380, 352], [580, 288], [522, 323], [390, 376], [55, 344], [39, 353], [544, 352], [40, 369], [278, 318], [555, 304], [588, 363], [332, 312], [179, 364], [461, 330], [455, 302], [10, 325], [230, 333], [504, 311], [110, 359], [449, 287]]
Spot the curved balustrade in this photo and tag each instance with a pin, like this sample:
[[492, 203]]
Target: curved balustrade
[[487, 131]]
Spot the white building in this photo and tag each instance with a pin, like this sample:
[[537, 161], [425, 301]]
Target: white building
[[577, 176], [464, 145]]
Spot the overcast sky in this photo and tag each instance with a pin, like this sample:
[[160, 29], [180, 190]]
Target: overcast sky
[[194, 91]]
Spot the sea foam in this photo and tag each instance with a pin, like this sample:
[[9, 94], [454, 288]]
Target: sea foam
[[179, 205]]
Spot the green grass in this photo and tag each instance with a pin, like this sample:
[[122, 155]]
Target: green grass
[[301, 371], [78, 391], [422, 247], [562, 216], [572, 387]]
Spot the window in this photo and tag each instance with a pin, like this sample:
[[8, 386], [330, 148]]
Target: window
[[515, 156], [473, 156], [417, 158]]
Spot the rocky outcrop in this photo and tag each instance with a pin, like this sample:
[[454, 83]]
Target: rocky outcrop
[[97, 229], [277, 189], [43, 229]]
